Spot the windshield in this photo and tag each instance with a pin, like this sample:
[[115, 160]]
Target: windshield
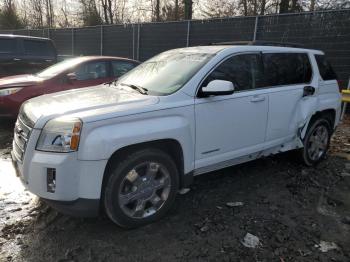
[[58, 68], [165, 73]]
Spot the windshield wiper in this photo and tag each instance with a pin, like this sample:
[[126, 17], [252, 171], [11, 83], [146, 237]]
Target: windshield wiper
[[140, 89]]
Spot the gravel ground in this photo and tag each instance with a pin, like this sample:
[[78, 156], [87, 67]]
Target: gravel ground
[[293, 213]]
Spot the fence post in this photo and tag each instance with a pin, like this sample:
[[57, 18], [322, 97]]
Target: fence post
[[188, 33], [133, 41], [101, 40], [255, 27], [48, 33], [72, 41], [138, 42]]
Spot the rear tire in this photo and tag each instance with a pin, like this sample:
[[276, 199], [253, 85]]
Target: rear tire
[[316, 142], [141, 188]]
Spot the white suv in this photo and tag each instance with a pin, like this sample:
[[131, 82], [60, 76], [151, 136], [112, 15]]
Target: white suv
[[129, 146]]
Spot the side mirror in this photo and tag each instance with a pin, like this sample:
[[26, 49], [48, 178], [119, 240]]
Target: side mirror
[[218, 88], [72, 77]]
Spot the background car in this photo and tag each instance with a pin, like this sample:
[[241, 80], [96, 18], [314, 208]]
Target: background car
[[25, 54], [69, 74]]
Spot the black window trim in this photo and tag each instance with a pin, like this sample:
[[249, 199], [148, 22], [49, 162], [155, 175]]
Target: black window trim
[[259, 53]]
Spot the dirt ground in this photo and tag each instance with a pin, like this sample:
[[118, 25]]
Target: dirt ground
[[297, 213]]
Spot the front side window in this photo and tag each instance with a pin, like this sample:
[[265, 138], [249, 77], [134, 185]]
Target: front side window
[[325, 68], [286, 69], [7, 46], [167, 72], [59, 68], [91, 70], [244, 71], [119, 68]]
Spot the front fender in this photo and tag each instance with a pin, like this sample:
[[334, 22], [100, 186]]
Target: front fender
[[101, 140]]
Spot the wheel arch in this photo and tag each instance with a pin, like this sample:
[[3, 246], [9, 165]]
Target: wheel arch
[[170, 146], [328, 114]]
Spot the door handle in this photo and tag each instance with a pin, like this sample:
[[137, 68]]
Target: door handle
[[256, 99], [308, 91], [17, 59]]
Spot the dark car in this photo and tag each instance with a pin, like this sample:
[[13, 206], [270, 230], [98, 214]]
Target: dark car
[[25, 54], [69, 74]]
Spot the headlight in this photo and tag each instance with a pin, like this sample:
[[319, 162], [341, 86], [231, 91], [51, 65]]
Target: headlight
[[9, 91], [60, 135]]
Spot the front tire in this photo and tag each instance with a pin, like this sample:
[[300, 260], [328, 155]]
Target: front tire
[[316, 142], [141, 188]]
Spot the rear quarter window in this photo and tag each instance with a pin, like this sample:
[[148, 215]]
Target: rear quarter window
[[325, 68], [286, 69], [38, 48]]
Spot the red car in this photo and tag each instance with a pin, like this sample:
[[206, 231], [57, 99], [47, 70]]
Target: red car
[[69, 74]]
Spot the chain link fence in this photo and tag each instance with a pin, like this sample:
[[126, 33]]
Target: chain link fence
[[325, 30]]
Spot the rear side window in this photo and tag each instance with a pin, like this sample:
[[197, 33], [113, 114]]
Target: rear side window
[[325, 68], [119, 68], [7, 46], [38, 48], [286, 69], [244, 71]]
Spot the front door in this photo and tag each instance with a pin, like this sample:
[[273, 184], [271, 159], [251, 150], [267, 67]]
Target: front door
[[230, 126], [91, 74]]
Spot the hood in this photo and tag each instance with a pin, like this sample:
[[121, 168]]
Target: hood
[[19, 81], [85, 103]]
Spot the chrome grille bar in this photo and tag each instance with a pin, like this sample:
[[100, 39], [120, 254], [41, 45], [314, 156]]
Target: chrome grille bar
[[21, 135]]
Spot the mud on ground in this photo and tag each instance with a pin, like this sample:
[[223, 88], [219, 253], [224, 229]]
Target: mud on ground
[[297, 214]]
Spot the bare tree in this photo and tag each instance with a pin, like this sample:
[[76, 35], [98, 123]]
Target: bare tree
[[284, 6], [312, 5], [157, 11], [176, 10], [49, 13], [188, 9], [37, 16]]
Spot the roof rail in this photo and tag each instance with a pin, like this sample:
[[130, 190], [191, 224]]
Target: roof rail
[[261, 43]]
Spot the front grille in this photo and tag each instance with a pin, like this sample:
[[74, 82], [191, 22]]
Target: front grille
[[22, 132]]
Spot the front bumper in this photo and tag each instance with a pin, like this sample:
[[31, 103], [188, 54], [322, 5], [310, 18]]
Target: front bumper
[[77, 183]]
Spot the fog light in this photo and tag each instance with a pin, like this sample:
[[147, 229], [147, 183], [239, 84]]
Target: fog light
[[51, 180]]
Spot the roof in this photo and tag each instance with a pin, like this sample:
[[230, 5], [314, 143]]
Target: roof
[[23, 36], [91, 58], [214, 49]]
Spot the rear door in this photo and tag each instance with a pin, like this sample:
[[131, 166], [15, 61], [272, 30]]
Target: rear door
[[286, 76]]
